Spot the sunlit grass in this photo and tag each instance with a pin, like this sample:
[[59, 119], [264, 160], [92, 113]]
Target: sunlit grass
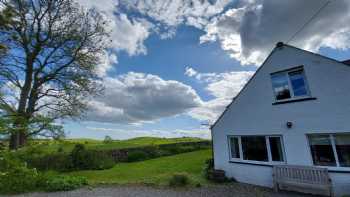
[[156, 171], [67, 145]]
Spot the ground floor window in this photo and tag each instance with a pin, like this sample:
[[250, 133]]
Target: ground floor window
[[234, 141], [330, 149], [256, 148], [276, 148]]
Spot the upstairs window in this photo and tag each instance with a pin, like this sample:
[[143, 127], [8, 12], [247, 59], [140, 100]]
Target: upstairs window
[[281, 86], [290, 84]]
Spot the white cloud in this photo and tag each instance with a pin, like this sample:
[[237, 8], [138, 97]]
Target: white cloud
[[190, 72], [210, 110], [247, 32], [106, 64], [127, 34], [250, 30], [227, 85], [137, 98], [175, 12], [168, 133], [222, 86]]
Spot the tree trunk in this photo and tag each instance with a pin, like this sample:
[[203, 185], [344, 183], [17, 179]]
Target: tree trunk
[[14, 141], [22, 139], [18, 136], [17, 140]]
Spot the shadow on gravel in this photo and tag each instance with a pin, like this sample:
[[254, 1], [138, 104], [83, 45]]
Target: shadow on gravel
[[232, 190]]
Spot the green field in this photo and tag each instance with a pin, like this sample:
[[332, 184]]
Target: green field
[[68, 144], [154, 172]]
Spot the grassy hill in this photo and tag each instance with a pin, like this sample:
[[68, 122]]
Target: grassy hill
[[155, 172], [68, 144]]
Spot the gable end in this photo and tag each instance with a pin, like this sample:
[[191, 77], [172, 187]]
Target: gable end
[[278, 46]]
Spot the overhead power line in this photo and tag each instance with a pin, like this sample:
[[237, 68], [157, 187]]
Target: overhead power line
[[309, 21]]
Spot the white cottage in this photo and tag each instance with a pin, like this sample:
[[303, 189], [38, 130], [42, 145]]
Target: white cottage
[[295, 110]]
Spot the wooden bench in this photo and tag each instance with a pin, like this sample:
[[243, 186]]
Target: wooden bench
[[304, 179]]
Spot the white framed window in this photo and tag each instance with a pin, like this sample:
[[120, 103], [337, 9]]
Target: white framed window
[[290, 84], [234, 147], [266, 149], [330, 149]]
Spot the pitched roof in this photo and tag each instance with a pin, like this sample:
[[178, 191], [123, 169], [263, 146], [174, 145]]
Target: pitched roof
[[347, 62], [278, 45]]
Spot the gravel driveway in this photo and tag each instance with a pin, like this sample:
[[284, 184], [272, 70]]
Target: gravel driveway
[[232, 190]]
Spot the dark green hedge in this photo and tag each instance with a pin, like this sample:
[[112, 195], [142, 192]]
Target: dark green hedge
[[55, 161], [81, 158]]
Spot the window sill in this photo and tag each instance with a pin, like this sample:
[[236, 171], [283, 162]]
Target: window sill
[[256, 163], [336, 169], [294, 100], [268, 164]]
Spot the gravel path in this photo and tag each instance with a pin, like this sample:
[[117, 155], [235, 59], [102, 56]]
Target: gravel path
[[232, 190]]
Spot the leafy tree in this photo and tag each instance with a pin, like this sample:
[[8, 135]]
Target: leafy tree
[[107, 139], [53, 49]]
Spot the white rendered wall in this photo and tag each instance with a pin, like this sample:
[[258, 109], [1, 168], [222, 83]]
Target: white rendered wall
[[252, 113]]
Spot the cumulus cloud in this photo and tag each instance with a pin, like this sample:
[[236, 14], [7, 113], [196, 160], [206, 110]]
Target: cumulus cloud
[[222, 86], [130, 34], [175, 12], [210, 110], [246, 29], [137, 98], [250, 30], [106, 64], [126, 34]]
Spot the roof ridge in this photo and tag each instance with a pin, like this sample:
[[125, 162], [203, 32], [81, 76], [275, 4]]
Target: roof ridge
[[280, 44]]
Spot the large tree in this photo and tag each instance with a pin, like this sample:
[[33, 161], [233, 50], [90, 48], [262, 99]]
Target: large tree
[[53, 50]]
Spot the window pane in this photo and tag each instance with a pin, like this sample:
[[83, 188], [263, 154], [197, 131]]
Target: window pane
[[254, 148], [322, 151], [280, 86], [342, 142], [298, 83], [276, 149], [234, 147]]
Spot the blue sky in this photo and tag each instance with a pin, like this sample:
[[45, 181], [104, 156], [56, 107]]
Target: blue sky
[[167, 59], [173, 65]]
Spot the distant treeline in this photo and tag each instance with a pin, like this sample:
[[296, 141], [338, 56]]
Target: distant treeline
[[81, 158]]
